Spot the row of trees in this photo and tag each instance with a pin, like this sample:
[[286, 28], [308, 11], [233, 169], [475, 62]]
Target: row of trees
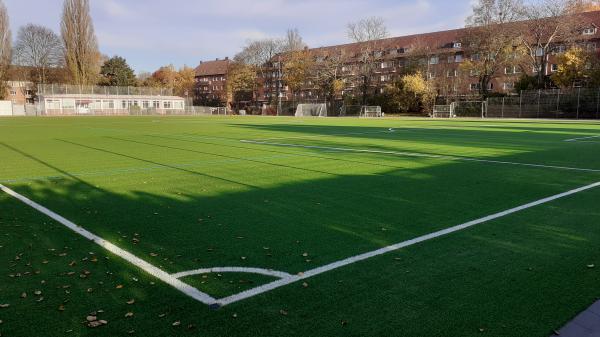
[[499, 35]]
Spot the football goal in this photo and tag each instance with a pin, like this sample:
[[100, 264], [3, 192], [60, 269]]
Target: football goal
[[311, 110], [371, 111], [443, 111], [465, 109]]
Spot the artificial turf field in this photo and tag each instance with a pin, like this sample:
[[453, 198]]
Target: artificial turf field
[[293, 195]]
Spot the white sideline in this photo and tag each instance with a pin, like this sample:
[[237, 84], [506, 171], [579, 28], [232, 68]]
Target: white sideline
[[145, 266], [260, 271], [421, 155], [582, 138], [357, 258]]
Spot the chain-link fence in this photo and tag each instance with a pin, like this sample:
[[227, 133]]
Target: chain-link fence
[[67, 89], [576, 103]]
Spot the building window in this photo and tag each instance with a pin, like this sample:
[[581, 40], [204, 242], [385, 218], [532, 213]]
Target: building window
[[475, 57], [590, 31], [434, 60], [452, 73], [156, 104], [456, 45], [145, 104], [475, 86], [431, 75], [509, 86], [167, 104], [560, 49], [13, 93], [458, 58], [474, 72], [554, 68], [512, 70]]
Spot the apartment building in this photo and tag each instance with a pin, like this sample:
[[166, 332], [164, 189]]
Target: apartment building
[[440, 53], [211, 82]]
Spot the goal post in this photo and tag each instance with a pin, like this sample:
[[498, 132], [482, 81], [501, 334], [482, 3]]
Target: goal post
[[464, 109], [371, 111], [443, 111], [311, 110]]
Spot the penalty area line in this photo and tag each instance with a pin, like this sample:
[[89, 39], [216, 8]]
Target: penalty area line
[[582, 138], [127, 256], [351, 260], [422, 155]]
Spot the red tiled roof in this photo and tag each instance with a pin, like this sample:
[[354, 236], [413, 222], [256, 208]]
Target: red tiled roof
[[210, 68], [435, 40]]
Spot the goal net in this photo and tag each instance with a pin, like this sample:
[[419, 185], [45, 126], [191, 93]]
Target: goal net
[[371, 111], [443, 111], [311, 110], [475, 109]]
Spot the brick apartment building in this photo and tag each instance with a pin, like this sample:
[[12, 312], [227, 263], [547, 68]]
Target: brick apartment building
[[211, 82], [445, 54]]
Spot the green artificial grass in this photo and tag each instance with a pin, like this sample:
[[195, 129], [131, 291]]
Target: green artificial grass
[[184, 193]]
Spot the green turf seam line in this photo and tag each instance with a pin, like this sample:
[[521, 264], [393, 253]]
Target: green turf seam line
[[136, 261], [351, 260], [422, 155]]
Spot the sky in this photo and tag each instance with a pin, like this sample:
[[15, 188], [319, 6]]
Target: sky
[[153, 33]]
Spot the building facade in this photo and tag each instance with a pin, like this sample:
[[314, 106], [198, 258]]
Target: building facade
[[211, 82], [439, 54]]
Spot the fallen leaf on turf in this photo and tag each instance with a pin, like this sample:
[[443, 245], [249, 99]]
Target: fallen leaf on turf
[[283, 312], [176, 323], [591, 266], [305, 285], [24, 295], [120, 286], [131, 301], [305, 254], [89, 290], [344, 323], [243, 257], [91, 318], [61, 308], [191, 327], [234, 315], [3, 306], [129, 314], [162, 315], [131, 332], [38, 292]]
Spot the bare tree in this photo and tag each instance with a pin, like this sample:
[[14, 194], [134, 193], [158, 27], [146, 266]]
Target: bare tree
[[82, 57], [293, 41], [39, 48], [491, 40], [368, 33], [548, 22], [5, 50], [369, 29]]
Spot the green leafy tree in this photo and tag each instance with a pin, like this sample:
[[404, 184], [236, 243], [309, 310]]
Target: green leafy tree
[[116, 72]]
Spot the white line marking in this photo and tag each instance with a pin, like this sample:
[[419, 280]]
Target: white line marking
[[357, 258], [582, 138], [422, 155], [260, 271], [322, 135], [145, 266]]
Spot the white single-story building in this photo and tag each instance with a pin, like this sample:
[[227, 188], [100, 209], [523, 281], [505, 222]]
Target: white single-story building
[[74, 100]]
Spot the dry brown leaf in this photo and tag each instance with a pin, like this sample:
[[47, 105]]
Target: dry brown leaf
[[91, 318], [129, 314], [176, 323], [283, 312], [3, 306], [120, 286], [23, 295], [131, 301]]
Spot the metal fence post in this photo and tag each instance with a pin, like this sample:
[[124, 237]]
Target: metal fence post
[[521, 104], [502, 113], [578, 100], [598, 104], [539, 102], [557, 102]]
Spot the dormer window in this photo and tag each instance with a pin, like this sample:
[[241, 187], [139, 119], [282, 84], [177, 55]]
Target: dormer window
[[590, 31], [456, 45]]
